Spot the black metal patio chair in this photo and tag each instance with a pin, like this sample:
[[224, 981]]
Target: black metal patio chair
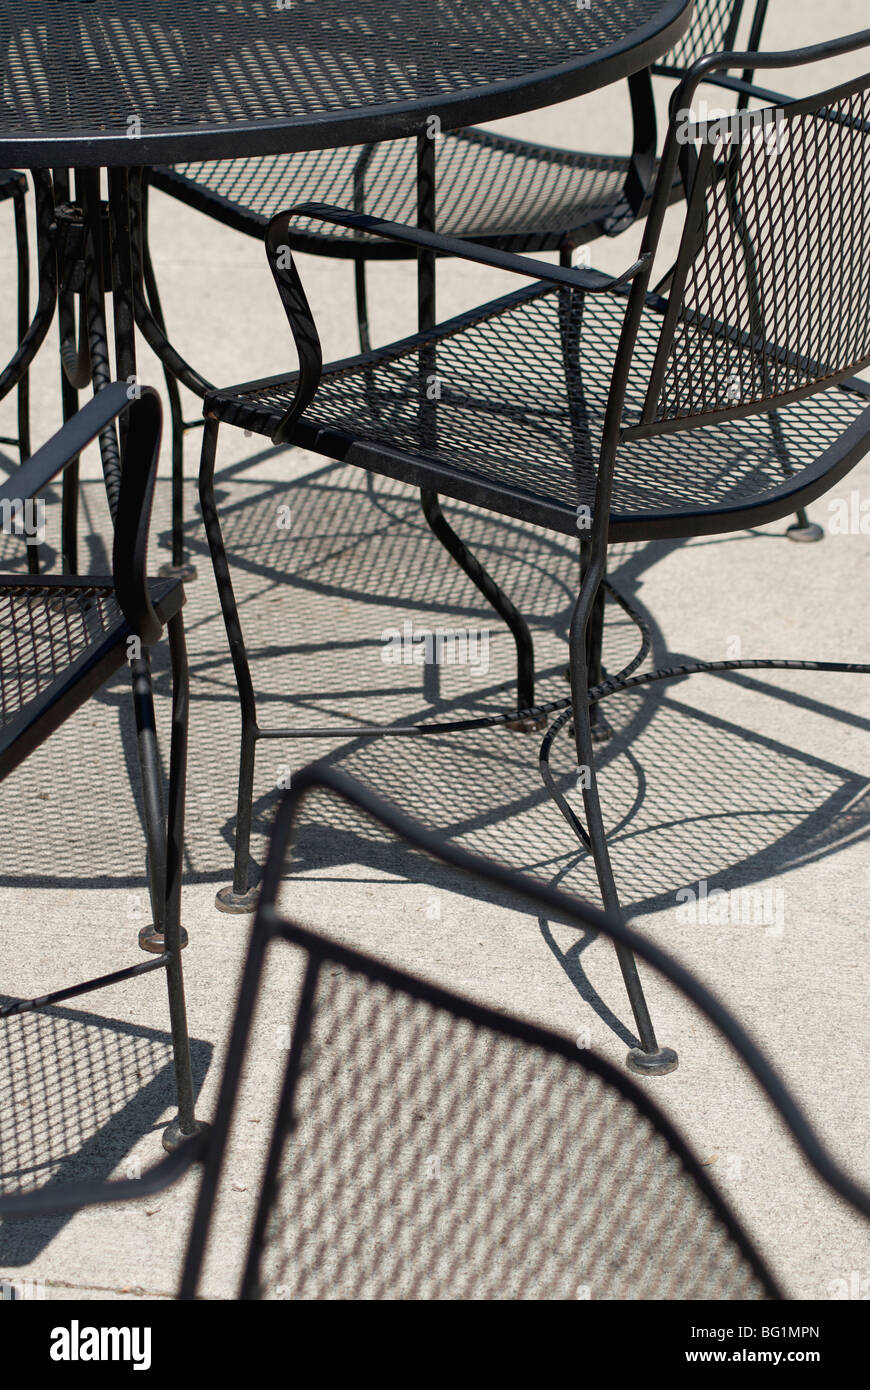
[[426, 1147], [586, 402], [62, 637], [492, 189]]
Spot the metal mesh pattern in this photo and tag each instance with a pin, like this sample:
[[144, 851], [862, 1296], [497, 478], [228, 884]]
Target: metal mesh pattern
[[435, 1156], [88, 68], [487, 185], [522, 402], [43, 630], [711, 30], [783, 266]]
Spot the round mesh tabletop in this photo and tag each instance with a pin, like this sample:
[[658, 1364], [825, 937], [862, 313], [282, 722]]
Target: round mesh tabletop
[[110, 82]]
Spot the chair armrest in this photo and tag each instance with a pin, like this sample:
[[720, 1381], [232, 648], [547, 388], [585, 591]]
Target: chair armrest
[[592, 281], [299, 314], [136, 492], [75, 1195]]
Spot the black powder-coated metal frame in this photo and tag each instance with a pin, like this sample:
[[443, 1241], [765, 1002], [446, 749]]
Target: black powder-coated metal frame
[[270, 926], [147, 608], [240, 406]]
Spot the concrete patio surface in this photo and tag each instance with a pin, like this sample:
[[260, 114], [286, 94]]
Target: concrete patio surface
[[756, 782]]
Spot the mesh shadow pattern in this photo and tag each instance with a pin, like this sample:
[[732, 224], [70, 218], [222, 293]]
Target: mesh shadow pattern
[[438, 1152], [74, 1087]]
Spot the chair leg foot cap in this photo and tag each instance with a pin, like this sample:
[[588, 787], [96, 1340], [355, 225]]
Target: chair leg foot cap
[[185, 571], [228, 901], [657, 1063], [174, 1137], [809, 533], [151, 940]]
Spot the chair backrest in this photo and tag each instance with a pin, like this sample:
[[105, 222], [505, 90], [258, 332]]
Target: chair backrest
[[427, 1147], [430, 1149], [424, 1146], [770, 296], [713, 29]]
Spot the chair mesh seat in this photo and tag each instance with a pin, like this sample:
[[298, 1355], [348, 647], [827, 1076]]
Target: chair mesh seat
[[42, 631], [433, 1156], [519, 394], [488, 187]]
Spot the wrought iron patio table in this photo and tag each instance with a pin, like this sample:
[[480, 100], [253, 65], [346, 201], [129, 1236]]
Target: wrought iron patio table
[[93, 85]]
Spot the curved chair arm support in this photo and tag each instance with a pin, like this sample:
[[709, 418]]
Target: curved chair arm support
[[300, 318], [137, 488], [580, 278], [91, 1194], [321, 777]]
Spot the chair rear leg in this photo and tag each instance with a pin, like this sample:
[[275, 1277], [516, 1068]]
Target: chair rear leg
[[649, 1058], [802, 529], [497, 599], [239, 896]]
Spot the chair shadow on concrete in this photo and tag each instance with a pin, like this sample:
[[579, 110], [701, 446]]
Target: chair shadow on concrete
[[77, 1090], [688, 795]]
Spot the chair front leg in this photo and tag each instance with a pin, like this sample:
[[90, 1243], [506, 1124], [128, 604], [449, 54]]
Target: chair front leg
[[649, 1058]]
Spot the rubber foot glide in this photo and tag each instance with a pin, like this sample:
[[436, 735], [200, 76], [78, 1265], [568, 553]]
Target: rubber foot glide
[[186, 572], [806, 534], [173, 1137], [228, 901], [657, 1063], [151, 940]]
